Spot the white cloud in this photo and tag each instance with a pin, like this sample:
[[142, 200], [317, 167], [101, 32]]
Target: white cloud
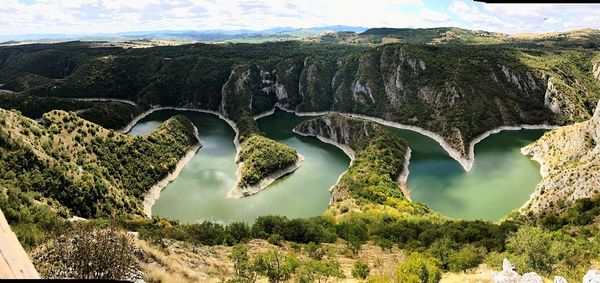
[[94, 16]]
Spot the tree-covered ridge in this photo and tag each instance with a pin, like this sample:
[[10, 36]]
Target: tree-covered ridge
[[89, 170], [262, 156], [374, 176], [458, 91], [111, 115], [241, 98]]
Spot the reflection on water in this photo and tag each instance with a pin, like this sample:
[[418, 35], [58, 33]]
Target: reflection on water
[[199, 191], [500, 181]]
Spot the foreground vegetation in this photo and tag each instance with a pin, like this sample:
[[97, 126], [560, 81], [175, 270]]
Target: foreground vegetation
[[565, 245]]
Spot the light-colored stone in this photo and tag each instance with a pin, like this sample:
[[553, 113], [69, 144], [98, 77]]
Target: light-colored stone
[[531, 277], [507, 275], [560, 279], [592, 276]]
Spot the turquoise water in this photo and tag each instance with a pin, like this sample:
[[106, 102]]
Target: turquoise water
[[199, 193], [501, 179]]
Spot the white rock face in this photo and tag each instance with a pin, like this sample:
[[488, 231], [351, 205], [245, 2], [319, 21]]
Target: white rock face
[[507, 275], [592, 276], [531, 277], [551, 98]]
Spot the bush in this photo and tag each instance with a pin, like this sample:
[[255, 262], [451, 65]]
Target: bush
[[275, 265], [468, 257], [318, 271], [89, 253], [360, 270], [418, 268]]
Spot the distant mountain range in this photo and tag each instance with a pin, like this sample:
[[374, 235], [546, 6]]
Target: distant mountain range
[[213, 35]]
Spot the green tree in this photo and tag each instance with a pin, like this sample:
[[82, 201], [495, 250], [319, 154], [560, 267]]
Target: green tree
[[242, 267], [275, 265], [533, 245], [468, 257], [318, 271], [360, 270], [418, 268]]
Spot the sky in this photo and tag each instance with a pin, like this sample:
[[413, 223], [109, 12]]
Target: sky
[[19, 17]]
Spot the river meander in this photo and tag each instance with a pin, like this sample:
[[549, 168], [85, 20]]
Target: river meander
[[501, 179]]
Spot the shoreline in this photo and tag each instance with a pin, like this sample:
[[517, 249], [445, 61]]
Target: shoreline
[[103, 99], [153, 194], [465, 162], [237, 192]]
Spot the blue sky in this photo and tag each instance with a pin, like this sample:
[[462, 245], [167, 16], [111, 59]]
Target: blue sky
[[106, 16]]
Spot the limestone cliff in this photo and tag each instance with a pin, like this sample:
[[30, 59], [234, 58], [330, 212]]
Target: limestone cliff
[[457, 92], [570, 165]]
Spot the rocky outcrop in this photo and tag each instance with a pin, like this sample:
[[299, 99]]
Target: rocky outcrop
[[570, 165], [457, 92], [510, 275], [265, 165], [551, 98]]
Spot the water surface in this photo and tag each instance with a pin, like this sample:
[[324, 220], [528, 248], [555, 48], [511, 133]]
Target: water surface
[[501, 179], [199, 193]]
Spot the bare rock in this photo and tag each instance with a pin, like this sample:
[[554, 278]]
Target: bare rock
[[592, 276], [531, 277], [507, 275]]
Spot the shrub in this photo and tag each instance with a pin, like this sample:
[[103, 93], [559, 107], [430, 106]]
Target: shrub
[[418, 268], [468, 257], [360, 270], [89, 253], [275, 266]]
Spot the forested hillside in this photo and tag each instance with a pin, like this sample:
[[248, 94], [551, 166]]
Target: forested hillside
[[458, 91], [81, 169]]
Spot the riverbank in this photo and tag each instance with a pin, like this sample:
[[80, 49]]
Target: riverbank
[[154, 193], [465, 162], [104, 99], [238, 192]]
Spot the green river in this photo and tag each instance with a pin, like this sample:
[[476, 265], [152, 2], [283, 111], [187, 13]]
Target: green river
[[501, 179]]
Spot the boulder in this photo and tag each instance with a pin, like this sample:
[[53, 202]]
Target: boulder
[[592, 276]]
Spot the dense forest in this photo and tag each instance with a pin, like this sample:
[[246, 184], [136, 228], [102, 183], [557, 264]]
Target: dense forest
[[456, 90]]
